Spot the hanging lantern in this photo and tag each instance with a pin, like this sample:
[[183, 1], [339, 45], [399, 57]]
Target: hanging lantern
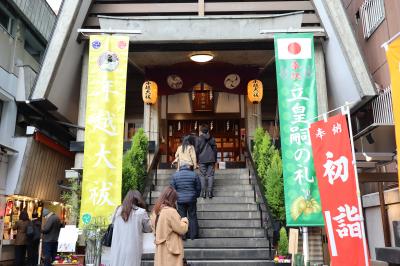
[[149, 92], [255, 91]]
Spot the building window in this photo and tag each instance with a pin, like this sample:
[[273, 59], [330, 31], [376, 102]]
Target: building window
[[372, 14], [6, 20], [33, 45]]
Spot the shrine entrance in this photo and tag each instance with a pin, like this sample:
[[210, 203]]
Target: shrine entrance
[[230, 142]]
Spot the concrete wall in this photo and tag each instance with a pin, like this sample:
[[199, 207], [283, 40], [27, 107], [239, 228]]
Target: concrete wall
[[371, 47], [347, 78], [373, 217], [59, 78], [13, 53]]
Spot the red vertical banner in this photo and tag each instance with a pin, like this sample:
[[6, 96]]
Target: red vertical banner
[[333, 160]]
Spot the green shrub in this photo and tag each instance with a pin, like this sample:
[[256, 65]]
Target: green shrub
[[269, 168], [134, 164], [258, 138], [274, 186], [283, 243]]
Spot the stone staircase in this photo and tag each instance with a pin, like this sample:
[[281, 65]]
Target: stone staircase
[[230, 224]]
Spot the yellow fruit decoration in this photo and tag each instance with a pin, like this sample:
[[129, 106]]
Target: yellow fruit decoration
[[298, 207], [302, 206]]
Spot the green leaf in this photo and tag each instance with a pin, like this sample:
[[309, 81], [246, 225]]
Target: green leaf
[[134, 164]]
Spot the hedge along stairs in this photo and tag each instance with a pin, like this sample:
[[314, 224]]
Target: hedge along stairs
[[231, 232]]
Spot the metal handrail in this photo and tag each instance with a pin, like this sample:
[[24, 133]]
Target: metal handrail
[[151, 177], [267, 219]]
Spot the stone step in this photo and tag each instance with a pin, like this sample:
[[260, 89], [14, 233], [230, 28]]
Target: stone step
[[230, 223], [222, 263], [227, 243], [238, 207], [216, 177], [231, 232], [233, 188], [219, 200], [220, 193], [217, 171], [227, 215], [225, 254], [217, 182]]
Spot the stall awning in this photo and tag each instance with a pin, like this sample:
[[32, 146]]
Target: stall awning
[[42, 169]]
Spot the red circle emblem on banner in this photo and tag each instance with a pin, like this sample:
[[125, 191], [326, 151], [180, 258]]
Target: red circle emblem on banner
[[121, 44], [294, 48]]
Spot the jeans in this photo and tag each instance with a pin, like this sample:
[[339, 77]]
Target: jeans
[[189, 210], [33, 253], [206, 171], [20, 253], [50, 252]]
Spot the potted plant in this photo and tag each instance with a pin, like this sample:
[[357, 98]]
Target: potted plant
[[282, 257], [68, 259], [93, 233]]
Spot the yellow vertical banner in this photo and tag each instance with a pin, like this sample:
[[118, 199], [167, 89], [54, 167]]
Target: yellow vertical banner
[[393, 58], [105, 112]]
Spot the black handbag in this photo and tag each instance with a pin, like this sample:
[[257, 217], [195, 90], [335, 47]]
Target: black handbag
[[107, 238]]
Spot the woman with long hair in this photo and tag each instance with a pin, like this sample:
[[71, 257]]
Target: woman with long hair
[[130, 222], [186, 153], [168, 227], [21, 239]]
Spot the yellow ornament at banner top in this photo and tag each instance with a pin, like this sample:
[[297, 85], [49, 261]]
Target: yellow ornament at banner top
[[149, 92], [255, 91]]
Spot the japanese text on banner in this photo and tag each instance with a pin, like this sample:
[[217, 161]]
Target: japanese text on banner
[[105, 110], [337, 184], [297, 101]]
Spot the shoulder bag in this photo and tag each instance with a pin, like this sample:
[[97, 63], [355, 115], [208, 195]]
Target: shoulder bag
[[107, 238]]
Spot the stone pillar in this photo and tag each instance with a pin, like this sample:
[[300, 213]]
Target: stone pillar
[[253, 119], [151, 122], [80, 135], [322, 91]]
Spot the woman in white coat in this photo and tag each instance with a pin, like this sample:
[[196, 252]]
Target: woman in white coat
[[131, 221]]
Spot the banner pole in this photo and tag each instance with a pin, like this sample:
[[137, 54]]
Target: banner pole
[[346, 110], [305, 245]]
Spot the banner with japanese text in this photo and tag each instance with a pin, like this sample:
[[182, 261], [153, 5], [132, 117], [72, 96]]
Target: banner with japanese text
[[393, 58], [337, 184], [105, 112], [297, 102]]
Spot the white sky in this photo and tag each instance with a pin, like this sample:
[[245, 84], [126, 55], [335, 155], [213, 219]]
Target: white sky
[[54, 4]]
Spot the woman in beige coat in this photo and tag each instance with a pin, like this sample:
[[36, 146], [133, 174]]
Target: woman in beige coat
[[186, 154], [169, 228]]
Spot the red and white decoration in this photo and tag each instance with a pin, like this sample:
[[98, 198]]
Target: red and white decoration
[[294, 48], [334, 167]]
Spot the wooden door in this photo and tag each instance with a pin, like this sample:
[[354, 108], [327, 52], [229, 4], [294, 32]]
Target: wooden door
[[225, 132]]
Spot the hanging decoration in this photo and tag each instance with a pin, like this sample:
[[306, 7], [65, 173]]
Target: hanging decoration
[[211, 125], [227, 126], [195, 125], [179, 125], [255, 91], [193, 95], [211, 95], [149, 92]]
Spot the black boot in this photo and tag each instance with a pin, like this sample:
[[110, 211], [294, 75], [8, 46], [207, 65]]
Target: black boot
[[210, 194], [203, 194]]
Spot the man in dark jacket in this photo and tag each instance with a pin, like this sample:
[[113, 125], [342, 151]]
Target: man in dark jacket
[[207, 156], [51, 231], [187, 183]]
